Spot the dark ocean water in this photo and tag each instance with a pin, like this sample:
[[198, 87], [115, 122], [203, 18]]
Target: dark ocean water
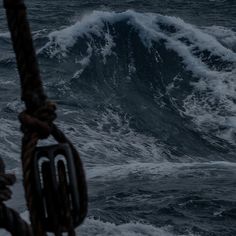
[[146, 90]]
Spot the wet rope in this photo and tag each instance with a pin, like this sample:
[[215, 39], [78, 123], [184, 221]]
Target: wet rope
[[10, 219], [37, 119]]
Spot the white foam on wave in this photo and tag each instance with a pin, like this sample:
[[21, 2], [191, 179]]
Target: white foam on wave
[[218, 84], [224, 35], [107, 49], [147, 26], [198, 38], [155, 170], [212, 116], [99, 228], [94, 227], [84, 62], [112, 140]]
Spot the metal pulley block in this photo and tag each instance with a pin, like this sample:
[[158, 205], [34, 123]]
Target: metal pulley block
[[57, 189]]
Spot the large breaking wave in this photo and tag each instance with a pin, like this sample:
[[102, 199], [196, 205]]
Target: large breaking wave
[[158, 65]]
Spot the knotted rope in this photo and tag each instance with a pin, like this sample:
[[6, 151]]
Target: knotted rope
[[39, 128], [36, 123]]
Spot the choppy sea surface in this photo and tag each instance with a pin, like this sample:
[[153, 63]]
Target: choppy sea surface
[[146, 90]]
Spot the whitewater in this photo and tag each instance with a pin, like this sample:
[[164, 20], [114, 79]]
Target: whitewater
[[147, 93]]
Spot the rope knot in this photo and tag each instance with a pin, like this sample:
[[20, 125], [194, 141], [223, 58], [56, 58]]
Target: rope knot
[[40, 122]]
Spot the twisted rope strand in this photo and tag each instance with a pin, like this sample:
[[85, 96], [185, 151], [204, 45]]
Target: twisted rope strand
[[10, 219]]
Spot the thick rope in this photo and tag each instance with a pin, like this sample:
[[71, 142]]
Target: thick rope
[[13, 223], [31, 84], [10, 219], [37, 120]]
